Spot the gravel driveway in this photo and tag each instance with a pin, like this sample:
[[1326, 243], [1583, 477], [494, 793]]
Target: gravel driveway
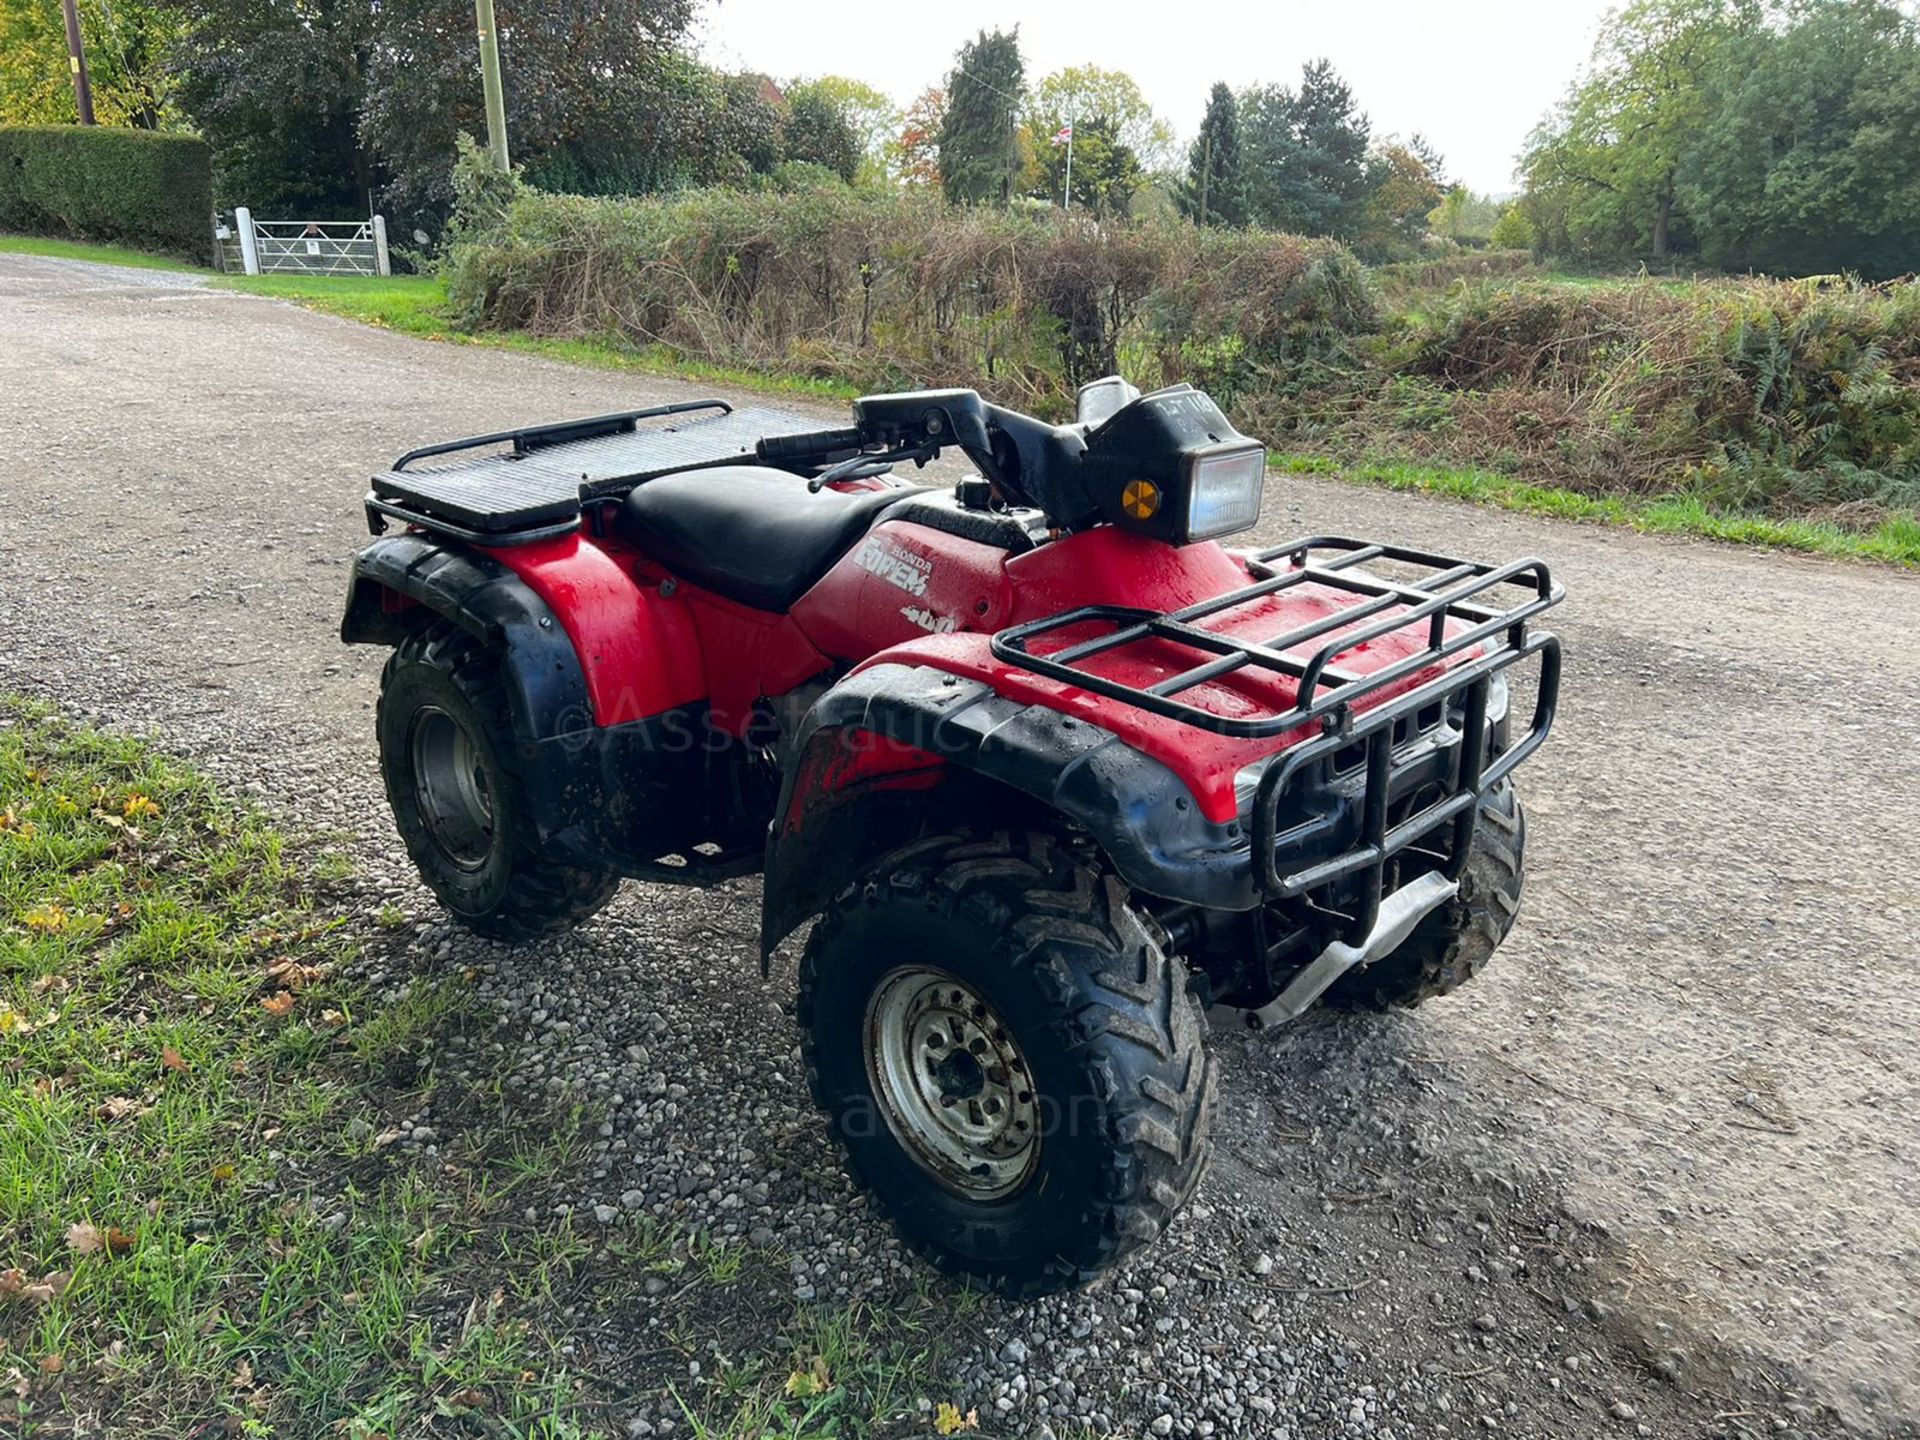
[[1654, 1174]]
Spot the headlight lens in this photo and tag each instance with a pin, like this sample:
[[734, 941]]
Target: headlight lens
[[1223, 496], [1498, 699]]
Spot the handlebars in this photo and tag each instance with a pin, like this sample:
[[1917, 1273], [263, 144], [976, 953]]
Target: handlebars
[[811, 445]]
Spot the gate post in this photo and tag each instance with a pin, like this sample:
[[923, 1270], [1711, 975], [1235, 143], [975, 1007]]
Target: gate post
[[249, 248], [381, 264]]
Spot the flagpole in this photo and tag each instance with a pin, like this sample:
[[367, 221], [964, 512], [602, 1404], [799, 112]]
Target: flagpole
[[1072, 115]]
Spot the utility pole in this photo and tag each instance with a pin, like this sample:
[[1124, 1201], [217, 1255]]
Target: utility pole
[[1206, 174], [490, 81], [77, 63]]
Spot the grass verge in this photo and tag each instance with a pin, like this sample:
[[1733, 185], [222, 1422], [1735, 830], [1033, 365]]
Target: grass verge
[[1894, 540], [218, 1215], [99, 254], [416, 305]]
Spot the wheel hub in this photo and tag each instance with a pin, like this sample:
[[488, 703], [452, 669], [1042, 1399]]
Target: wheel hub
[[952, 1083], [450, 787]]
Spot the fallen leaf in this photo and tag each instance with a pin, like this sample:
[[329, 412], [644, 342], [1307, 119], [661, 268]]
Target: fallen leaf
[[53, 1365], [138, 806], [12, 1022], [46, 919], [947, 1419], [51, 1287], [816, 1379], [471, 1398], [224, 1173], [120, 1241], [12, 1282], [119, 1107], [170, 1058], [84, 1238], [290, 974], [332, 1017], [279, 1005], [239, 1067], [243, 1375]]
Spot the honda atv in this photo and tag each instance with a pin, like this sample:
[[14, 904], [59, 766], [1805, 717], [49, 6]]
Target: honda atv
[[1052, 769]]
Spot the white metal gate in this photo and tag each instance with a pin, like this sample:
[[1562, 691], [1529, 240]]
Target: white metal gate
[[307, 247]]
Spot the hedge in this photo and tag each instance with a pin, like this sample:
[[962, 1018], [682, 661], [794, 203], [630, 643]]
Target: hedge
[[888, 291], [139, 187]]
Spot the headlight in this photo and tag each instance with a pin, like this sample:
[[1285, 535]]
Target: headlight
[[1169, 465], [1223, 491], [1498, 699]]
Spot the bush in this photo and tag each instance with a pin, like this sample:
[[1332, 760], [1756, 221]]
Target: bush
[[1788, 395], [891, 290], [140, 187]]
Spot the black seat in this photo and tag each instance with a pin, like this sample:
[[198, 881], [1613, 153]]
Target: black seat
[[750, 533]]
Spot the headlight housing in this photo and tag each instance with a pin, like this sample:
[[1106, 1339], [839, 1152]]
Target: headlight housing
[[1169, 465], [1224, 488]]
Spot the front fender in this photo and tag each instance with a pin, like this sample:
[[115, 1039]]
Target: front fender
[[837, 815]]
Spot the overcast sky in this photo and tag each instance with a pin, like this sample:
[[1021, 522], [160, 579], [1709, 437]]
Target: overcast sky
[[1474, 75]]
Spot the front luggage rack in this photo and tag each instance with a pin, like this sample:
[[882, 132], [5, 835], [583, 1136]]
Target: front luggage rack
[[1324, 690], [1337, 787]]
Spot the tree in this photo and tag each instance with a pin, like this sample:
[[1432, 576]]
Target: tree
[[916, 153], [1405, 180], [1106, 172], [818, 132], [128, 46], [980, 157], [1214, 192], [1082, 92], [873, 118], [1306, 155], [1809, 159], [578, 72], [1612, 150], [1331, 137], [278, 91], [1513, 230]]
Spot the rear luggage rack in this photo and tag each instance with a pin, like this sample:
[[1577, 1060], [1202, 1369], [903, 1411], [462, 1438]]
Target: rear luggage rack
[[535, 489], [1337, 786]]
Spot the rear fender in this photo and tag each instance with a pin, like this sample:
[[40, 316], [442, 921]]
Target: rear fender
[[394, 577], [897, 752]]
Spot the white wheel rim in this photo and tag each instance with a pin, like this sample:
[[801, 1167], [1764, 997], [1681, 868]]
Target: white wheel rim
[[952, 1083]]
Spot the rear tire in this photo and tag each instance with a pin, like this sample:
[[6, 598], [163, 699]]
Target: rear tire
[[444, 739], [1454, 943], [1014, 1067]]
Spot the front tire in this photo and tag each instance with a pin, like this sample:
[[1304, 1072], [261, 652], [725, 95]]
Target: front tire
[[1454, 943], [1014, 1067], [444, 739]]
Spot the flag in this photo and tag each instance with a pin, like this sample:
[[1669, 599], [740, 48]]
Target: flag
[[1063, 135]]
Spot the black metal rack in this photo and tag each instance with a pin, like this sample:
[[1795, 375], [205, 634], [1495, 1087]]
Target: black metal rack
[[537, 486], [1363, 757]]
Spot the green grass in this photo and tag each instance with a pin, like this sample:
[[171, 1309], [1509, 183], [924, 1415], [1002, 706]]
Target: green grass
[[100, 254], [1895, 540], [206, 1223]]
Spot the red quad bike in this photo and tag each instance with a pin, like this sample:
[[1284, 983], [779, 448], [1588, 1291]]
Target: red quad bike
[[1053, 769]]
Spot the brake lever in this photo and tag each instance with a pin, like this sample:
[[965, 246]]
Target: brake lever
[[855, 468]]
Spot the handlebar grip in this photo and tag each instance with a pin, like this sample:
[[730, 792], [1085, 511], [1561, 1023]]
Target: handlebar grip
[[809, 445]]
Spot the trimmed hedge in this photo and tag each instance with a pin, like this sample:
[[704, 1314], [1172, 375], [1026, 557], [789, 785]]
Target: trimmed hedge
[[142, 188]]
